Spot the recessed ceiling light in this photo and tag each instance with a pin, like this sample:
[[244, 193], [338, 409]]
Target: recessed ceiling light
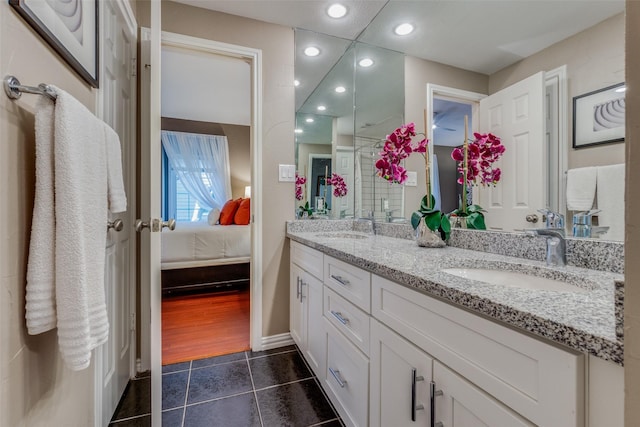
[[321, 108], [296, 83], [336, 10], [366, 62], [309, 120], [298, 130], [340, 89], [312, 51], [403, 29], [621, 89]]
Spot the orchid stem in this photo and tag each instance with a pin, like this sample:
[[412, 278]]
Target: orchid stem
[[426, 164], [465, 164]]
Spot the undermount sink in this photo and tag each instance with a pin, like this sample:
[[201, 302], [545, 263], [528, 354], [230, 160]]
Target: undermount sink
[[344, 235], [514, 279]]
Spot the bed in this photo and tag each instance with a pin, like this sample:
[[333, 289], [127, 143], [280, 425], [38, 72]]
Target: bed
[[198, 256]]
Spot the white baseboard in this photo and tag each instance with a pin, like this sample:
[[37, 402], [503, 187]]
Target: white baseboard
[[276, 341]]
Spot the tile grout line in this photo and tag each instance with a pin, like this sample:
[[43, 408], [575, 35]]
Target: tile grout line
[[215, 399], [186, 395], [287, 383], [133, 417], [325, 422], [253, 387]]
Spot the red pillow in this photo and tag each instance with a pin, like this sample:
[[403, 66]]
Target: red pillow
[[243, 214], [228, 212]]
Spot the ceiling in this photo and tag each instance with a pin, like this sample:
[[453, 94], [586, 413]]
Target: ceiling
[[478, 35], [484, 36]]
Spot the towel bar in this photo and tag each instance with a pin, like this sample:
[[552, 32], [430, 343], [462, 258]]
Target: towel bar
[[14, 89]]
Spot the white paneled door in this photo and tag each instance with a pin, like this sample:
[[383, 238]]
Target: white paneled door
[[516, 115], [115, 359]]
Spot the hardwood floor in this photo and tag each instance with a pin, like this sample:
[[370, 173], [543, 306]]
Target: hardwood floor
[[205, 325]]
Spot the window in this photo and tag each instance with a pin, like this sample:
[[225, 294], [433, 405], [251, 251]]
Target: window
[[203, 161]]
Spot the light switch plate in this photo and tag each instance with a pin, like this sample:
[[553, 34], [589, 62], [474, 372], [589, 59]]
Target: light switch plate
[[412, 179], [286, 173]]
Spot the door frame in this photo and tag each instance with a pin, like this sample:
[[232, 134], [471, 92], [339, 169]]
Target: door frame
[[254, 57], [124, 7]]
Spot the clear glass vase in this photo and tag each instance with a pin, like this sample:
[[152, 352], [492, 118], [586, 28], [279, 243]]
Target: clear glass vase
[[428, 238]]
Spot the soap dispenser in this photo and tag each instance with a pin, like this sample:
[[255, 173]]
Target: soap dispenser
[[582, 224]]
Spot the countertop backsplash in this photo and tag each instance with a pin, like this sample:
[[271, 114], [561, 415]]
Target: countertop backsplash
[[593, 254]]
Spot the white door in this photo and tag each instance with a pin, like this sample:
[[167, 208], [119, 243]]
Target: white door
[[463, 405], [115, 359], [516, 115], [344, 167], [400, 378], [150, 165]]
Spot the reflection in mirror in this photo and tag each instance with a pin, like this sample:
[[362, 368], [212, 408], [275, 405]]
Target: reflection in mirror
[[379, 109], [363, 79], [592, 51]]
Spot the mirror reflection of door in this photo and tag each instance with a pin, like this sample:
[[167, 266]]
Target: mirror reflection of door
[[319, 169], [448, 133], [206, 179]]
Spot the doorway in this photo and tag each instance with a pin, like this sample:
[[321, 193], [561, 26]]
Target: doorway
[[206, 181], [151, 343]]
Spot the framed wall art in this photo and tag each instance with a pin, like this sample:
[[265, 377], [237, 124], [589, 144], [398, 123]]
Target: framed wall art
[[70, 27], [598, 117]]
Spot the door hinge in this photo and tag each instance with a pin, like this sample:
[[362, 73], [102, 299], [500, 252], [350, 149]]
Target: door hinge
[[134, 67], [132, 326]]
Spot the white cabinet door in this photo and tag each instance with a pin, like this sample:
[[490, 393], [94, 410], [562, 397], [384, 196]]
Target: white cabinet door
[[400, 378], [516, 115], [316, 350], [346, 379], [297, 320], [463, 405]]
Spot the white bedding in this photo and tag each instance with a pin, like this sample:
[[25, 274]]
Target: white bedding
[[198, 244]]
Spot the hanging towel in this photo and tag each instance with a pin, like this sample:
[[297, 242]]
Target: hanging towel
[[611, 200], [81, 193], [117, 198], [581, 188], [40, 292]]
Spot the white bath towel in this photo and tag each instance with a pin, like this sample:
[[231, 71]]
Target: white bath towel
[[581, 188], [115, 185], [611, 200], [81, 216], [40, 292]]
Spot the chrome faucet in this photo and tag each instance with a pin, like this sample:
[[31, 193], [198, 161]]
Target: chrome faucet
[[370, 218], [556, 243]]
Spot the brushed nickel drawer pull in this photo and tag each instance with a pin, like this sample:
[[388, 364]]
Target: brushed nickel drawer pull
[[340, 318], [340, 279]]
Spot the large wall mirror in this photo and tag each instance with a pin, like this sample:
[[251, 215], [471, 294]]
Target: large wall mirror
[[393, 90]]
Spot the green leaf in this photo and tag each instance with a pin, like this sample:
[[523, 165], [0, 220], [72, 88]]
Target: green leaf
[[415, 219], [433, 220], [445, 225], [476, 221], [475, 208], [423, 205]]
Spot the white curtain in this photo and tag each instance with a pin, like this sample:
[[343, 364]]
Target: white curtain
[[202, 164]]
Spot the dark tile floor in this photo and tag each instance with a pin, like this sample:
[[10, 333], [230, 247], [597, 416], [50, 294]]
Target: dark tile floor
[[272, 388]]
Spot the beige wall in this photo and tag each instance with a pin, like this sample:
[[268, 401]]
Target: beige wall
[[632, 238], [239, 138], [35, 388], [417, 73], [594, 59], [278, 107]]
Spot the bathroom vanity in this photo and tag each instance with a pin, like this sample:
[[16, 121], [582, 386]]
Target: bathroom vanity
[[397, 335]]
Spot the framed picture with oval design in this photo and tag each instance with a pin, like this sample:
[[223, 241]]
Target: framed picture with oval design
[[70, 27], [598, 117]]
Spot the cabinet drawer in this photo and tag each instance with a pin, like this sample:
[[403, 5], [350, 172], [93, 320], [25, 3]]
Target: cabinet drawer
[[353, 283], [346, 379], [307, 258], [539, 381], [348, 319]]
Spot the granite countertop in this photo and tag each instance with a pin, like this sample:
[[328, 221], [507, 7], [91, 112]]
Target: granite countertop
[[585, 321]]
